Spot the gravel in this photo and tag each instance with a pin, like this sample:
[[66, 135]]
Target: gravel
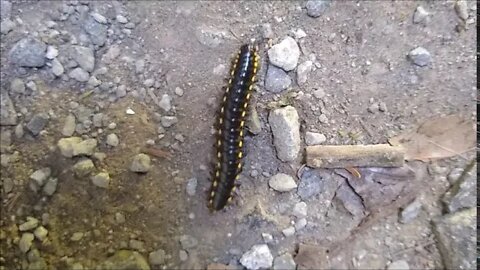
[[57, 68], [300, 224], [139, 66], [30, 224], [28, 52], [183, 255], [285, 54], [316, 8], [267, 238], [148, 82], [112, 139], [165, 103], [121, 19], [41, 175], [410, 212], [50, 187], [84, 56], [463, 193], [282, 182], [420, 15], [8, 115], [286, 132], [99, 18], [25, 242], [276, 79], [259, 256], [290, 231], [253, 123], [101, 180], [191, 186], [83, 167], [420, 57], [300, 210], [168, 121], [96, 31], [140, 163], [266, 30], [312, 138], [310, 184], [37, 123], [75, 146], [52, 52], [17, 86], [188, 242], [178, 91], [79, 74], [284, 262], [303, 70], [112, 54], [69, 126], [41, 233], [157, 257]]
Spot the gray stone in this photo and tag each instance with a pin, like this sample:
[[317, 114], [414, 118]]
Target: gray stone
[[83, 167], [84, 148], [311, 183], [52, 52], [289, 231], [28, 52], [69, 126], [140, 163], [300, 210], [139, 66], [461, 8], [312, 138], [8, 115], [41, 233], [93, 81], [410, 212], [41, 175], [463, 194], [7, 185], [257, 257], [282, 182], [284, 262], [125, 259], [137, 245], [84, 56], [130, 25], [454, 175], [398, 265], [31, 85], [285, 54], [30, 224], [164, 103], [420, 57], [319, 93], [96, 31], [112, 54], [121, 19], [420, 15], [148, 82], [98, 119], [303, 70], [286, 132], [253, 123], [456, 236], [188, 242], [17, 86], [373, 108], [112, 139], [50, 187], [191, 186], [315, 8], [66, 145], [57, 68], [25, 242], [267, 238], [99, 17], [178, 91], [276, 79], [79, 74], [168, 121], [210, 36], [37, 123], [266, 30], [6, 26], [183, 255], [300, 224], [121, 91], [157, 257]]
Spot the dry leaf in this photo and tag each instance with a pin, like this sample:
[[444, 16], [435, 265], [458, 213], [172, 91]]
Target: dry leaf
[[438, 137]]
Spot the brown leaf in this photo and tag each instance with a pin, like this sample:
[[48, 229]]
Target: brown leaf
[[438, 137], [311, 257]]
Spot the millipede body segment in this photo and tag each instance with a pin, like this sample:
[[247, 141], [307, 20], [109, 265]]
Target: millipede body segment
[[231, 123]]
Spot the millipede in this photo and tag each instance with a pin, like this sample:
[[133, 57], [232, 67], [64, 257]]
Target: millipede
[[231, 123]]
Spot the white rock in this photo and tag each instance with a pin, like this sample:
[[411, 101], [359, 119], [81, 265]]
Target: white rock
[[52, 52], [420, 15], [286, 132], [285, 54], [101, 180], [99, 18], [257, 257], [289, 231], [303, 70], [300, 210], [282, 182], [79, 74], [112, 139], [165, 103], [129, 111], [312, 138], [57, 68], [420, 57]]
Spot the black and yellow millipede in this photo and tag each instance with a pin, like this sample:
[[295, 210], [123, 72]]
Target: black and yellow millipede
[[231, 121]]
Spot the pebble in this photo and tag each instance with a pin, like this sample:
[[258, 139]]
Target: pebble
[[267, 238], [191, 186], [17, 86], [112, 125], [95, 30], [41, 175], [188, 242], [420, 15], [6, 26], [461, 8], [140, 163], [299, 33], [276, 79], [300, 210], [79, 74], [148, 82], [183, 255], [266, 30], [28, 52], [31, 85], [98, 120], [136, 245], [285, 54], [41, 233], [254, 124], [86, 147], [84, 56], [30, 224], [37, 123], [300, 224], [179, 91], [76, 236], [112, 54], [323, 119], [289, 231], [398, 265], [52, 52], [8, 115], [168, 121], [101, 180], [157, 257], [83, 167], [112, 139], [121, 19], [284, 262], [99, 18], [454, 175], [303, 70], [50, 187], [150, 142], [410, 212], [259, 256], [312, 138], [373, 108], [139, 67], [282, 182], [165, 103], [25, 242], [130, 111], [420, 57], [311, 183], [57, 68], [66, 145], [69, 126], [315, 8], [285, 127], [382, 106]]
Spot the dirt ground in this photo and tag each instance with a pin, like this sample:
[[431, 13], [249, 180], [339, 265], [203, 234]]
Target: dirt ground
[[359, 53]]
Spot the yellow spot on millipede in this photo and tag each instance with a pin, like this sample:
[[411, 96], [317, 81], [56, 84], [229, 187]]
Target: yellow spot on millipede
[[240, 143], [237, 177], [215, 184], [217, 174], [242, 123], [241, 133], [248, 95], [239, 165], [233, 189], [221, 110], [240, 155], [229, 199], [219, 155], [220, 121], [224, 98], [212, 194], [244, 112]]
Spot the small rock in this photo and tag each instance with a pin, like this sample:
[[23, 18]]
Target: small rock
[[139, 66], [300, 224], [50, 187], [257, 257], [79, 74], [41, 175], [410, 212], [112, 54], [101, 180], [312, 138], [461, 8], [282, 182], [136, 245], [420, 57], [26, 242], [300, 210], [140, 163], [28, 52], [86, 147], [157, 257], [299, 33], [420, 15], [276, 79], [267, 237], [125, 259], [76, 236], [284, 262], [188, 242], [96, 31], [220, 70], [183, 255], [99, 18], [37, 123], [266, 30], [112, 126], [7, 185], [66, 145], [6, 26], [373, 108], [303, 70], [179, 91], [310, 184], [52, 52], [289, 231], [93, 82], [8, 115], [285, 54], [31, 85], [254, 124], [164, 103], [69, 126], [382, 106], [148, 82], [121, 19], [41, 233], [98, 120], [112, 139], [57, 68], [454, 175], [84, 56], [285, 127], [17, 86], [463, 192], [83, 167], [315, 8], [191, 186], [30, 224], [119, 218], [398, 265], [130, 111], [168, 121]]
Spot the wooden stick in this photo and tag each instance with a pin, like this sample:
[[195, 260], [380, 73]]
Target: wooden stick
[[342, 156]]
